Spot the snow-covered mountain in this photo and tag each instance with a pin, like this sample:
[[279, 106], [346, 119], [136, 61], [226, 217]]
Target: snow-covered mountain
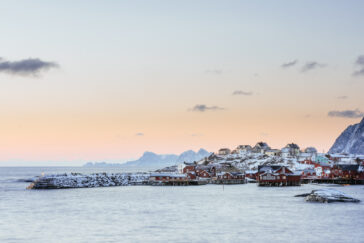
[[191, 156], [350, 141], [150, 159], [153, 159]]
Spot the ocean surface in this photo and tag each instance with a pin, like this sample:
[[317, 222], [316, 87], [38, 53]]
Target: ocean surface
[[210, 213]]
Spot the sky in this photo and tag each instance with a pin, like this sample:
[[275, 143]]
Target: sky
[[107, 80]]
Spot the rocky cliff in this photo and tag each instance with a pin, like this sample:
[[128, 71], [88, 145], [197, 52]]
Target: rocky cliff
[[351, 140]]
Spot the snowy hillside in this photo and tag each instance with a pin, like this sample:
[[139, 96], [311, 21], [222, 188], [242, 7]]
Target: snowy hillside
[[251, 161]]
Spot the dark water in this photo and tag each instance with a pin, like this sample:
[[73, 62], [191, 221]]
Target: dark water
[[211, 213]]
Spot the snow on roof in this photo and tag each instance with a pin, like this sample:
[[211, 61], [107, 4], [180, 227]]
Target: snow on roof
[[269, 173], [168, 174], [308, 170], [251, 171]]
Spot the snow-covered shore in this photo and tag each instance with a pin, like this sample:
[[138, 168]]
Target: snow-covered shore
[[77, 180]]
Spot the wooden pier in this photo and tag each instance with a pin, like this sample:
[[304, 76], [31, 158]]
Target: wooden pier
[[279, 183], [228, 182], [178, 183], [339, 181]]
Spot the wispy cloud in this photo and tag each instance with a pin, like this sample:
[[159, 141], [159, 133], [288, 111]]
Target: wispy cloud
[[359, 72], [203, 108], [359, 62], [214, 71], [343, 97], [312, 65], [139, 134], [26, 67], [346, 113], [240, 92], [289, 64]]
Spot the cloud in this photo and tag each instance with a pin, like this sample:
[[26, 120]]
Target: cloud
[[240, 92], [214, 71], [359, 72], [343, 97], [26, 67], [360, 62], [203, 108], [289, 64], [312, 65], [346, 113], [139, 134]]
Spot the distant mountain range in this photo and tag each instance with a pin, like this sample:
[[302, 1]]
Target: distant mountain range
[[350, 141], [150, 159]]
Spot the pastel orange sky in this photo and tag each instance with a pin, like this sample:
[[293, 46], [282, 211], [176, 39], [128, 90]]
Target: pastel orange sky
[[125, 77]]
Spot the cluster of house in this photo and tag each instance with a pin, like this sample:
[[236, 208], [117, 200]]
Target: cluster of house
[[321, 170], [332, 171], [309, 165], [195, 174], [290, 150]]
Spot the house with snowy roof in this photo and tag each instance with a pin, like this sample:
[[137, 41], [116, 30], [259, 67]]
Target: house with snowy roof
[[260, 147], [346, 171], [291, 150], [276, 175], [229, 178], [309, 173], [272, 152], [243, 149], [224, 151], [310, 150]]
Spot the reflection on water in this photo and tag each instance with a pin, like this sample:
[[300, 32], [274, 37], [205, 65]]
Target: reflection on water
[[182, 214]]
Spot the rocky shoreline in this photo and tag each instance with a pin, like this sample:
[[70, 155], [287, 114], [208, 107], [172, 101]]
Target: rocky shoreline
[[77, 180]]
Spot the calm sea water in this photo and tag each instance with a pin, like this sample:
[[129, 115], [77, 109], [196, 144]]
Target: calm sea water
[[211, 213]]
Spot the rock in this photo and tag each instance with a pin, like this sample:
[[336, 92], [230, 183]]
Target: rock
[[327, 196], [350, 141], [303, 195]]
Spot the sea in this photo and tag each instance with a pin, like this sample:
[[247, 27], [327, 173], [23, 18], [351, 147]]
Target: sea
[[209, 213]]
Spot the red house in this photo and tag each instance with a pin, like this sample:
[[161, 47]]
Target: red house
[[309, 173], [350, 172], [188, 168], [203, 174], [252, 174], [277, 176], [229, 178]]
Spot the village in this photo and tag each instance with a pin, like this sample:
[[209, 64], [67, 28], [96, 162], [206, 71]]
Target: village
[[289, 166]]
